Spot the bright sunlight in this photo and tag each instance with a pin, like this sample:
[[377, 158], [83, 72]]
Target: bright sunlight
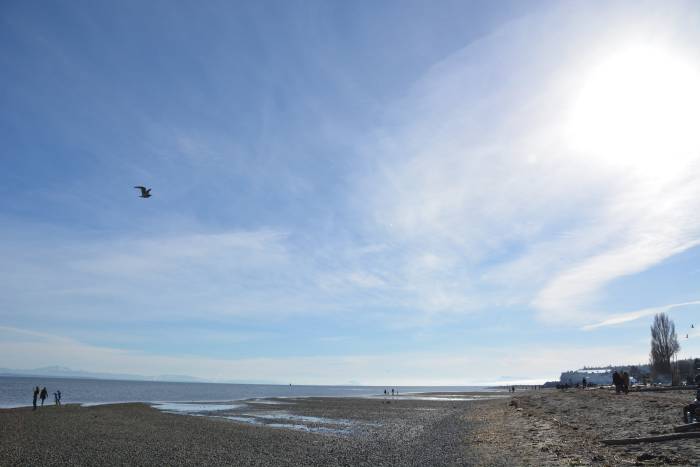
[[638, 110]]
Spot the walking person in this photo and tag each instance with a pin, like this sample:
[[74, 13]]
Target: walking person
[[36, 394], [57, 398], [44, 394]]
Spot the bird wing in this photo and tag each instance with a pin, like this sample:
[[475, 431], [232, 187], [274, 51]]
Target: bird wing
[[142, 188]]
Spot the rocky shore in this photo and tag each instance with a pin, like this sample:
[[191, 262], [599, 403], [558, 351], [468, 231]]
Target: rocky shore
[[555, 427], [535, 428]]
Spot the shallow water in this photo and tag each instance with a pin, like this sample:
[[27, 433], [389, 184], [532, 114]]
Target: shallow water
[[17, 391], [249, 412], [300, 418], [192, 408]]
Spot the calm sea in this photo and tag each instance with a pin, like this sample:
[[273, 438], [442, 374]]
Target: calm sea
[[17, 391]]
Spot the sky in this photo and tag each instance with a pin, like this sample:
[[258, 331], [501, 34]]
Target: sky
[[396, 192]]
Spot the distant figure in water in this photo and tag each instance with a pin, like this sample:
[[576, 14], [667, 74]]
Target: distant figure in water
[[36, 394], [392, 392], [513, 388], [44, 394], [57, 398]]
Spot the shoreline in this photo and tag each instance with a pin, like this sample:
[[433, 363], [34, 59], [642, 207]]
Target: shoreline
[[339, 431], [402, 396], [538, 428]]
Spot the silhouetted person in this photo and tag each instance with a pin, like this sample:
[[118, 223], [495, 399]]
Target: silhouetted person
[[392, 392], [57, 397], [584, 382], [44, 394], [513, 388], [691, 411], [617, 381], [626, 382], [36, 394]]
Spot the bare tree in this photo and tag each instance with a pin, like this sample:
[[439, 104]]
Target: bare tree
[[664, 344]]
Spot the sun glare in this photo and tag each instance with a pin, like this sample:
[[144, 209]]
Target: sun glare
[[638, 109]]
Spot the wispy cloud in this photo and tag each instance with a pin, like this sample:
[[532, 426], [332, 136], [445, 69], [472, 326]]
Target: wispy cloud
[[634, 315], [309, 193], [476, 174]]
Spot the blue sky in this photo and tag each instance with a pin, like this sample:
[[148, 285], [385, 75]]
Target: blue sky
[[371, 192]]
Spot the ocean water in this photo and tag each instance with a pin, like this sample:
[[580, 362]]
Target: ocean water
[[17, 391]]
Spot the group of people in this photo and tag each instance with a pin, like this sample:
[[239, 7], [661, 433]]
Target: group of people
[[43, 394], [621, 382], [691, 412]]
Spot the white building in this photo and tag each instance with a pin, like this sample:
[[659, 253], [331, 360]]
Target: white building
[[592, 375]]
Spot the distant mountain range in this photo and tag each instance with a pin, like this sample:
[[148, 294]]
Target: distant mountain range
[[65, 372]]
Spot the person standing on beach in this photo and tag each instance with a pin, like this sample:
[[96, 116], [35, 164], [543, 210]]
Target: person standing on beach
[[44, 394], [617, 381], [626, 382], [36, 394], [57, 398]]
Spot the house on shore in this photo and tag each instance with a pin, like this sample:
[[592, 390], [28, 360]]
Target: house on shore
[[602, 375]]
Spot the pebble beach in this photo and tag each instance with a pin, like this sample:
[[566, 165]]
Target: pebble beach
[[546, 427], [358, 431]]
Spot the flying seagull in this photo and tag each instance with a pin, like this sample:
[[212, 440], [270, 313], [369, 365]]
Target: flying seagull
[[145, 192]]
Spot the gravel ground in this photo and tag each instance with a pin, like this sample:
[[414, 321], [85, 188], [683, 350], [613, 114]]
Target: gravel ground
[[403, 432], [538, 428], [554, 427]]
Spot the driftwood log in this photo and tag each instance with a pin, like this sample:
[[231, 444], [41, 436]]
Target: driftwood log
[[687, 427], [651, 439]]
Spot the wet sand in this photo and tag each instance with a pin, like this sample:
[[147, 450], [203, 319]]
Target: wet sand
[[547, 427]]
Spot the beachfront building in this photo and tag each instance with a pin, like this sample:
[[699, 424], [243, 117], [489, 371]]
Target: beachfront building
[[598, 376], [603, 375]]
